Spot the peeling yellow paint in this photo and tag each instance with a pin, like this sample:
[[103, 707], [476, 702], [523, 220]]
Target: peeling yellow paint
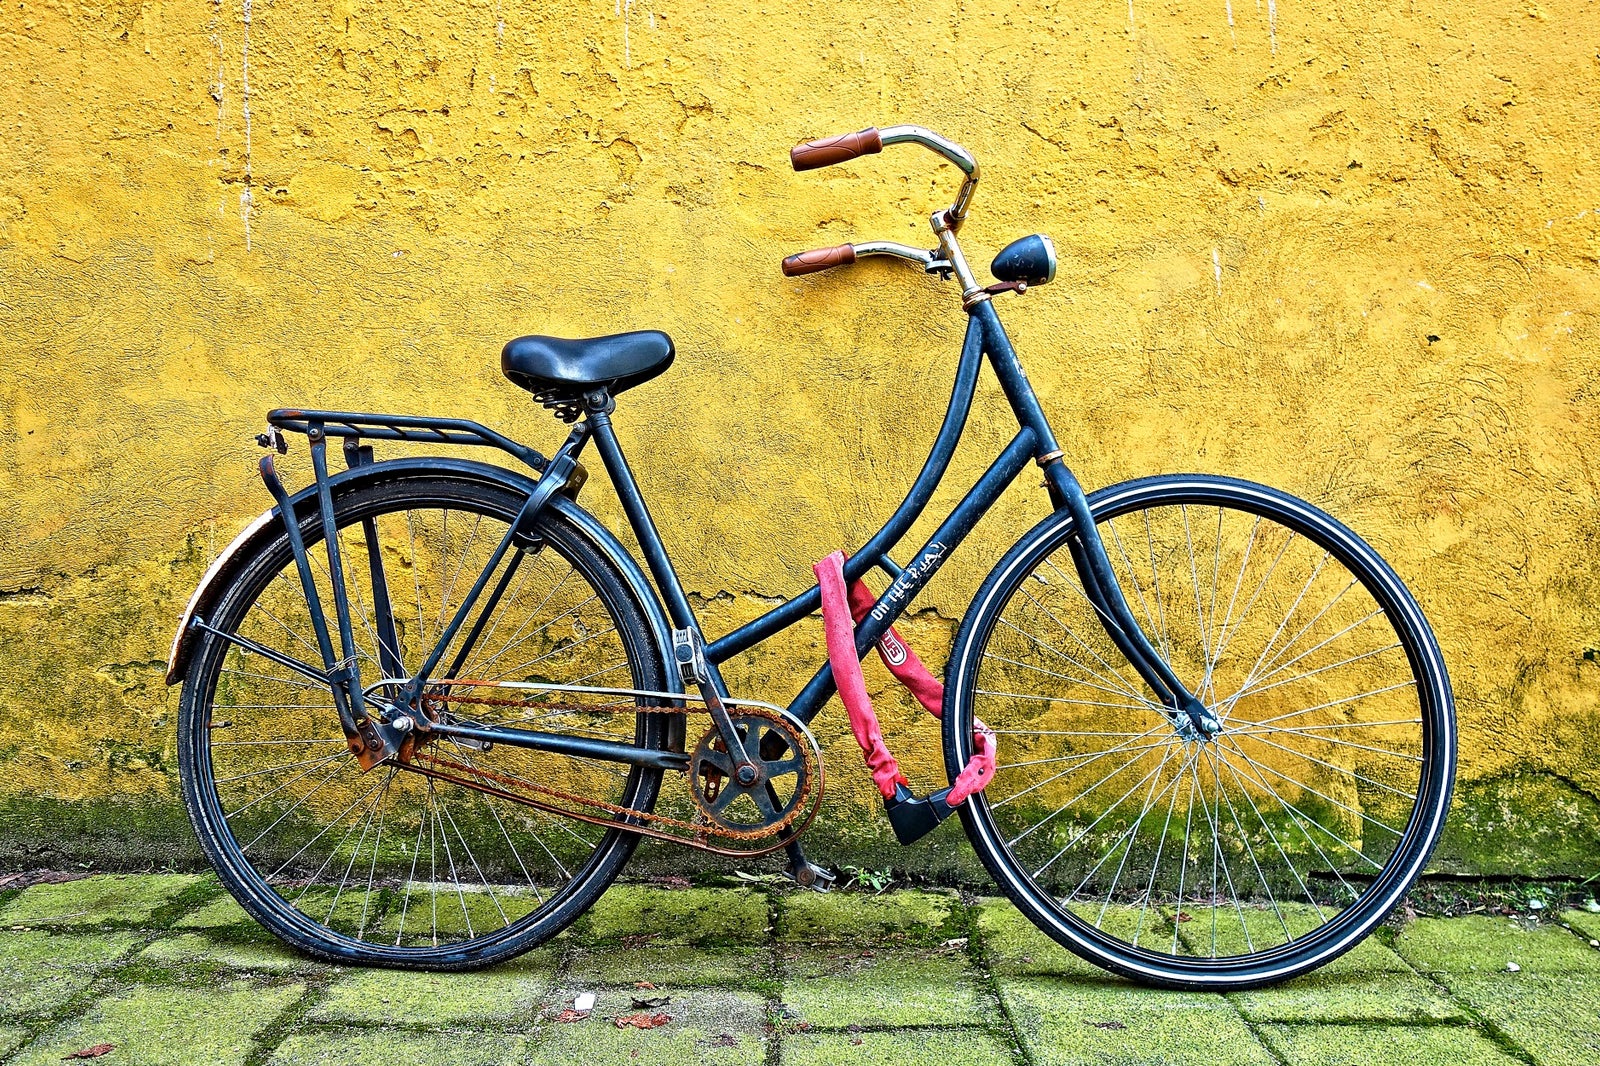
[[1263, 217]]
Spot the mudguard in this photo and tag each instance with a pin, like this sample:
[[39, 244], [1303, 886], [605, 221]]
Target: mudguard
[[266, 527]]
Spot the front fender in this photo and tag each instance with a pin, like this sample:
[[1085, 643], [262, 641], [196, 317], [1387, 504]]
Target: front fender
[[268, 526]]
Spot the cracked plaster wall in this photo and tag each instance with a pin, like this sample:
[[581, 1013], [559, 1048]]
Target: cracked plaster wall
[[1346, 249]]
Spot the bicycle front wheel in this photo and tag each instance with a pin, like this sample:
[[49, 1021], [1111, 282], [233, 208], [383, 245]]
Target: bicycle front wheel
[[1229, 863], [390, 866]]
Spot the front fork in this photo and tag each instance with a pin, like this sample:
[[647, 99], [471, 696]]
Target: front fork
[[1189, 715]]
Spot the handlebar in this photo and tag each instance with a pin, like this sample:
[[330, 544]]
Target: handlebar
[[818, 259], [830, 150]]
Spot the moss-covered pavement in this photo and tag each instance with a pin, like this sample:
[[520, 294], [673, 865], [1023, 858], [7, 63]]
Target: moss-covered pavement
[[166, 969]]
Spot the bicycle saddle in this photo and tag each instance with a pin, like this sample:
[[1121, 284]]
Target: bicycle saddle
[[555, 367]]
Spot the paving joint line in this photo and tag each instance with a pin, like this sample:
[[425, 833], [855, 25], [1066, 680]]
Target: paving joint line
[[78, 1005], [977, 955], [1498, 1036]]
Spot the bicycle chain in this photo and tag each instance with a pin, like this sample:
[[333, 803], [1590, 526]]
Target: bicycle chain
[[708, 828]]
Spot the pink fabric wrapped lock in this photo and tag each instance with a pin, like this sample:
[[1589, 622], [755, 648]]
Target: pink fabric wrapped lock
[[841, 609]]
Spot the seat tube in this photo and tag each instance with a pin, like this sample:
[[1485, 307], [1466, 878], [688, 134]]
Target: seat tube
[[644, 528], [1088, 551]]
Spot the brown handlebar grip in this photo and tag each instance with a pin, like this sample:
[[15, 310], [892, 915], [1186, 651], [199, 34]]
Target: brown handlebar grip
[[818, 259], [831, 150]]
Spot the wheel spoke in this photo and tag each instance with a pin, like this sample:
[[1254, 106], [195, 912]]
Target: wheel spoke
[[449, 863], [1257, 841]]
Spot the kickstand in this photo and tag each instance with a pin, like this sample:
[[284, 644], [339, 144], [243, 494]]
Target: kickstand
[[804, 872]]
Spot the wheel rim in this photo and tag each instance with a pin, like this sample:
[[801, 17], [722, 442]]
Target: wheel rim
[[390, 861], [1277, 845]]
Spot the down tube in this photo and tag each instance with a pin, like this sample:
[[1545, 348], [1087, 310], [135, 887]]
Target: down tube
[[921, 567]]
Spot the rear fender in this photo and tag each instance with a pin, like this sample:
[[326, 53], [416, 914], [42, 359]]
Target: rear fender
[[268, 526]]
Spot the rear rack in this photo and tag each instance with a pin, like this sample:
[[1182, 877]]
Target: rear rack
[[418, 429]]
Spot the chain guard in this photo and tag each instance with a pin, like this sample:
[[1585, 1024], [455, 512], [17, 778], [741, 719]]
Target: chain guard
[[752, 829]]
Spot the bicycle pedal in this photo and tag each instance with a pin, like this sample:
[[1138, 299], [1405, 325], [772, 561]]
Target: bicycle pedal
[[809, 875], [914, 818]]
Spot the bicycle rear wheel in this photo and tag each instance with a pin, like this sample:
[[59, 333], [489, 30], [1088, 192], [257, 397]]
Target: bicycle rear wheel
[[1235, 862], [389, 866]]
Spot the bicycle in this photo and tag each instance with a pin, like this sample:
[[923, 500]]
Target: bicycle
[[1225, 732]]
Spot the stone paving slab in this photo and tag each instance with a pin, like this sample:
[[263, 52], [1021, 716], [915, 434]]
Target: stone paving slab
[[852, 918], [1423, 1045], [1068, 1022], [682, 916], [153, 1026], [713, 1026], [1478, 943], [40, 971], [881, 989], [1555, 1016], [195, 951], [906, 1047], [1013, 945], [506, 995], [173, 973], [358, 1047], [678, 966], [123, 900], [1583, 922], [221, 913], [1349, 997], [11, 1038]]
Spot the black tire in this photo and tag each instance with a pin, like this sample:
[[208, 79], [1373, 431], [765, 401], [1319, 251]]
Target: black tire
[[1282, 788], [221, 723]]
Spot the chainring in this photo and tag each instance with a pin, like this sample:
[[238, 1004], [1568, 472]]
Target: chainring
[[784, 772]]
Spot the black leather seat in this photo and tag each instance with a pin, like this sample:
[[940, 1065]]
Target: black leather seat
[[556, 369]]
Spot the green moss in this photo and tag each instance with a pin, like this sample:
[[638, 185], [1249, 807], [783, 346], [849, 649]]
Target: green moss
[[1013, 945], [1429, 1045], [110, 832], [846, 917], [1552, 1015], [669, 967], [193, 951], [1349, 997], [222, 913], [169, 1026], [507, 994], [11, 1038], [1484, 944], [354, 1047], [97, 901], [917, 1047], [1533, 824], [708, 1026], [39, 972], [1108, 1023], [834, 989], [680, 916], [1583, 923]]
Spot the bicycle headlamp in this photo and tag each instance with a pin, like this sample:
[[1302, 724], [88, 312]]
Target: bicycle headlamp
[[1031, 259]]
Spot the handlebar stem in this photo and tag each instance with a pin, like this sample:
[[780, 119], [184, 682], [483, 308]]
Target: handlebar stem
[[950, 251]]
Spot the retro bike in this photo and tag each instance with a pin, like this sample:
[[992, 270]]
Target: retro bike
[[431, 705]]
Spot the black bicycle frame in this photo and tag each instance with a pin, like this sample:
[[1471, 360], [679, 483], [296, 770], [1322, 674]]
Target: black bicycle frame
[[985, 338]]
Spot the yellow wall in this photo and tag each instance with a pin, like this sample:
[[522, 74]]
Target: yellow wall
[[1262, 228]]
